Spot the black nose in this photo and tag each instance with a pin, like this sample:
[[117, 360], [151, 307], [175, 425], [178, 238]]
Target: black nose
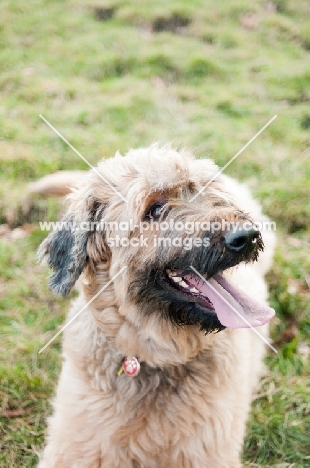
[[240, 240]]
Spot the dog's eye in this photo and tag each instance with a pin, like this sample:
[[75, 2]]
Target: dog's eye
[[155, 211]]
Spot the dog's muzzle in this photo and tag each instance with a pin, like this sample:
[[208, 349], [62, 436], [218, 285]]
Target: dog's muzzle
[[192, 288], [199, 278]]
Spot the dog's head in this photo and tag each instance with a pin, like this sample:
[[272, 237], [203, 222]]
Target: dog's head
[[160, 227]]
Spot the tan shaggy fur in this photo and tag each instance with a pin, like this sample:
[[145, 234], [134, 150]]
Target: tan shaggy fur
[[188, 407]]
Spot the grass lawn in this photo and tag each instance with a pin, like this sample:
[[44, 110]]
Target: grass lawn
[[111, 75]]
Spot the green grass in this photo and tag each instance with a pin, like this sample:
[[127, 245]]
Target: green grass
[[202, 74]]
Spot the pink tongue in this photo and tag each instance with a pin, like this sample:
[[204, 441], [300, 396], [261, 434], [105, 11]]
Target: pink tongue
[[234, 308]]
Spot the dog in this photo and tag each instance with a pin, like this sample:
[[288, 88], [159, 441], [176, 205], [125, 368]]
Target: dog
[[160, 358]]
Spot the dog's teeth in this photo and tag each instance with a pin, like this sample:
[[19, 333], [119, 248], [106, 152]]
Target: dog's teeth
[[171, 273], [194, 290], [183, 284], [177, 279]]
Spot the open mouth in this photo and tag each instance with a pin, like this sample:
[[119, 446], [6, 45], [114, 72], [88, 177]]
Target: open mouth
[[233, 307], [189, 289]]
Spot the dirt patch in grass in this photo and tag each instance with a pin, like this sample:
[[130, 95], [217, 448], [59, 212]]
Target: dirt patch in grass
[[103, 12], [174, 23]]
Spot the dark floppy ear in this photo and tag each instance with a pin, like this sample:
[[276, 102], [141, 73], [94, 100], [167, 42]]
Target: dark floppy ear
[[65, 252]]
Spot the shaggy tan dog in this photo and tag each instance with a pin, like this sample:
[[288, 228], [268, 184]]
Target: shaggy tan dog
[[188, 405]]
